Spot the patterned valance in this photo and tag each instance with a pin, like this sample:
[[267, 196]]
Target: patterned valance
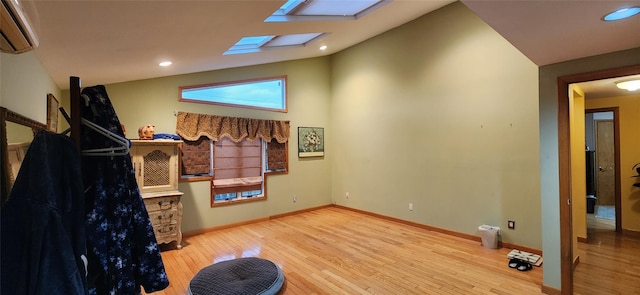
[[192, 126]]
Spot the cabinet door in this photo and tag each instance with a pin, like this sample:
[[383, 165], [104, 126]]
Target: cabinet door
[[156, 168]]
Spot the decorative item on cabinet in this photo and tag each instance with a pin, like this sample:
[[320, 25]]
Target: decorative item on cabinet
[[146, 131], [156, 167]]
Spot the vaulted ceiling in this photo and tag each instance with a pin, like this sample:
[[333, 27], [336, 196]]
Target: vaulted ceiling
[[108, 41]]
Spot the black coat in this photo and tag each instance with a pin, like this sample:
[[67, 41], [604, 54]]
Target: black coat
[[43, 222]]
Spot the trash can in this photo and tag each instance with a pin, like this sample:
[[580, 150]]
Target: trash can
[[489, 235], [591, 203]]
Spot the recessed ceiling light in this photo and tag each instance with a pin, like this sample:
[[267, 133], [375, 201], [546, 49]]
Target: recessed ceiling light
[[631, 85], [622, 13], [165, 63], [323, 47]]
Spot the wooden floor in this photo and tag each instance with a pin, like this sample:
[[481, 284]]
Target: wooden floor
[[338, 251], [609, 261]]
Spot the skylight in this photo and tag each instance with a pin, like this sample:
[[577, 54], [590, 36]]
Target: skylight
[[260, 43], [314, 10], [622, 13]]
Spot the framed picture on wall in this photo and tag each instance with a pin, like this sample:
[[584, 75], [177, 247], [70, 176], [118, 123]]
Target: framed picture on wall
[[52, 113], [310, 142]]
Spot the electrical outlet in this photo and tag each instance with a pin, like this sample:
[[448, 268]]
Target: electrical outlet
[[410, 206], [511, 224], [347, 195], [295, 198]]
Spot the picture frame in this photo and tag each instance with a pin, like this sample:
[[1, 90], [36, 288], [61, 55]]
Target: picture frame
[[52, 113], [310, 142]]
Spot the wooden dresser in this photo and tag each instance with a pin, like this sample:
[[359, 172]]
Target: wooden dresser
[[156, 166]]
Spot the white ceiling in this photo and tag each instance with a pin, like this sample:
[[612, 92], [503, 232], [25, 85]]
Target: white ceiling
[[604, 88], [109, 41], [549, 32]]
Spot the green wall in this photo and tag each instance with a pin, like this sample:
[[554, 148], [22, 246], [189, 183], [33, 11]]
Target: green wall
[[154, 101], [24, 84], [442, 113]]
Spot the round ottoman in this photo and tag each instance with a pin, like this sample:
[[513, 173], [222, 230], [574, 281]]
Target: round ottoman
[[249, 276]]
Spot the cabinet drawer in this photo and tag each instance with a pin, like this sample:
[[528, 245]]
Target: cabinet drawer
[[163, 231], [163, 203], [164, 217]]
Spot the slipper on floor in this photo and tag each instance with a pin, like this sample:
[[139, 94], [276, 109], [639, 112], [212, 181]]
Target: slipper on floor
[[513, 263], [524, 266]]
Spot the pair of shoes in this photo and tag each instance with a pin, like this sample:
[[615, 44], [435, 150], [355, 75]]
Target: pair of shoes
[[524, 266], [513, 263], [519, 264]]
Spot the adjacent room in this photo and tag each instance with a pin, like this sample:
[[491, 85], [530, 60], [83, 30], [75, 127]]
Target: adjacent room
[[389, 147]]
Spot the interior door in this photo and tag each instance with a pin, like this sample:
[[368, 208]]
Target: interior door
[[605, 164]]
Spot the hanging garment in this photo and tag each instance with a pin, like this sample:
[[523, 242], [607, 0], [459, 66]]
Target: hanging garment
[[43, 222], [122, 248]]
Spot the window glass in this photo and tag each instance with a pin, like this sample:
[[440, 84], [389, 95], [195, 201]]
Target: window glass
[[195, 158], [236, 171], [268, 94]]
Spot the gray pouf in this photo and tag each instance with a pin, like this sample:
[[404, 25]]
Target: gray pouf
[[249, 275]]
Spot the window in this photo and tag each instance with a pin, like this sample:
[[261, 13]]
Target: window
[[234, 154], [236, 171], [254, 44], [324, 10], [196, 159], [267, 94]]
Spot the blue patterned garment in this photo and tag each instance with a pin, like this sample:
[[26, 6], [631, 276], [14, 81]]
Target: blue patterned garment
[[122, 248]]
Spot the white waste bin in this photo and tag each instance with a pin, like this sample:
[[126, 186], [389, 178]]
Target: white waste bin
[[489, 235]]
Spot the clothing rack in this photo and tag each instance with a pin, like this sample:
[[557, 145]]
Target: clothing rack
[[119, 171], [122, 144], [76, 109]]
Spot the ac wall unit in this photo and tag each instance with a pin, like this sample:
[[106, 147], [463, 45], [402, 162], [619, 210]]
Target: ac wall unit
[[16, 34]]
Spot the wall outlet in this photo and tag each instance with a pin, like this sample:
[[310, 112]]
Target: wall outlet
[[347, 194], [410, 206], [511, 224], [295, 198]]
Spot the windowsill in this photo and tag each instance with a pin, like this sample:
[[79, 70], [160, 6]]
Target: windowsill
[[195, 178], [208, 178], [237, 201]]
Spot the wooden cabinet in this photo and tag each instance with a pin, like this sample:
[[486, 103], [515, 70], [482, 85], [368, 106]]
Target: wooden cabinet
[[156, 167], [165, 212]]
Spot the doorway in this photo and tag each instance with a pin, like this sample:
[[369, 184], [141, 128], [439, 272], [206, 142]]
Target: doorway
[[564, 163], [601, 155]]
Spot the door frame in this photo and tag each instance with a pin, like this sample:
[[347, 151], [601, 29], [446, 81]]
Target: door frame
[[564, 165], [617, 193]]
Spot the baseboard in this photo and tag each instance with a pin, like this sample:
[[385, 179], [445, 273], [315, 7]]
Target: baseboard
[[523, 248], [299, 211], [441, 230], [398, 220], [230, 225], [225, 226], [582, 240], [550, 290], [632, 233]]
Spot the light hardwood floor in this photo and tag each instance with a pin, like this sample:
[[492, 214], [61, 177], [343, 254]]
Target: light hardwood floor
[[609, 261], [338, 251]]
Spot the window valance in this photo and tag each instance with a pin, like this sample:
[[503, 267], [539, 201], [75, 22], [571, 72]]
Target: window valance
[[192, 126]]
